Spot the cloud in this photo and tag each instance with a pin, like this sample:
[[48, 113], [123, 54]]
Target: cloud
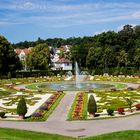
[[99, 32], [136, 14], [57, 14]]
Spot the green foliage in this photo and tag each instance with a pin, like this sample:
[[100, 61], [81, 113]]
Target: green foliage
[[110, 111], [129, 102], [94, 57], [21, 107], [22, 134], [92, 107], [112, 52], [9, 75], [39, 57], [4, 93], [9, 60], [2, 114]]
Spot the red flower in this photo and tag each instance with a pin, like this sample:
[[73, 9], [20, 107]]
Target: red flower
[[120, 110], [137, 106]]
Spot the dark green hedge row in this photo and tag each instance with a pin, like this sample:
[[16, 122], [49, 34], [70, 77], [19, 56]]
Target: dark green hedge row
[[111, 71], [23, 74]]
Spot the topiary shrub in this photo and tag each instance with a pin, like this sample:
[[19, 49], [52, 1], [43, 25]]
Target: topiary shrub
[[92, 107], [110, 111], [2, 114], [22, 108]]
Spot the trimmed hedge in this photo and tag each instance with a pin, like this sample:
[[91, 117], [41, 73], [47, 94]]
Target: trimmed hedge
[[2, 114]]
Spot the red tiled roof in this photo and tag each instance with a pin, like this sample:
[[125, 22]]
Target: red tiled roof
[[26, 51], [63, 60]]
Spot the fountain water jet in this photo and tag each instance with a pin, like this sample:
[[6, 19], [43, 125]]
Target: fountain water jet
[[77, 80], [78, 84], [78, 77]]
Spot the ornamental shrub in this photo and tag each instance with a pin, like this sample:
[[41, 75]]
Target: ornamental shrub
[[43, 108], [137, 106], [129, 102], [110, 111], [21, 107], [120, 111], [37, 114], [92, 107], [130, 88], [48, 102], [2, 114]]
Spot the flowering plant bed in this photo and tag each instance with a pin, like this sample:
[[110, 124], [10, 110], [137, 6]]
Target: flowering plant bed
[[79, 107], [43, 112]]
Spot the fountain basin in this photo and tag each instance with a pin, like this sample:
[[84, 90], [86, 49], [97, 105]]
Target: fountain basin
[[71, 85]]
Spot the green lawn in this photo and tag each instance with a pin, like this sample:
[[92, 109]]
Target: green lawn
[[12, 134]]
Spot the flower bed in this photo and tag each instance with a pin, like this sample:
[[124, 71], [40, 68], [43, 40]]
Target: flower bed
[[47, 107], [77, 111]]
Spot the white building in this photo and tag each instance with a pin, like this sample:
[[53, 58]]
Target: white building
[[63, 64], [22, 55]]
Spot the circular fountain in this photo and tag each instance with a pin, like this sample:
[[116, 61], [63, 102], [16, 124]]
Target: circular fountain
[[86, 85], [79, 84]]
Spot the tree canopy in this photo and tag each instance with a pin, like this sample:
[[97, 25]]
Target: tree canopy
[[103, 52], [9, 60], [39, 57]]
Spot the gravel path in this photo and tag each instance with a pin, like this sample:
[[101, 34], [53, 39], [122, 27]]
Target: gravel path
[[57, 123]]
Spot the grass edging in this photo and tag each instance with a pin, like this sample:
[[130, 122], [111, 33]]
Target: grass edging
[[53, 107], [48, 113], [71, 109]]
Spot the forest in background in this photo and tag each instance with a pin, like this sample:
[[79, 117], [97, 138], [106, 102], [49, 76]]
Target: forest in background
[[117, 52]]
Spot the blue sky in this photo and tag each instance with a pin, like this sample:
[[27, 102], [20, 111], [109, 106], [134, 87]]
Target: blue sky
[[29, 19]]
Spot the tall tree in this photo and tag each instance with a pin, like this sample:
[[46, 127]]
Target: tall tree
[[9, 60], [94, 58], [79, 54], [137, 58], [122, 59], [108, 58], [39, 58]]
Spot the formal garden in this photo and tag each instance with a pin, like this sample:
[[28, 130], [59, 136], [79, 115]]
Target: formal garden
[[38, 105], [120, 99], [101, 89]]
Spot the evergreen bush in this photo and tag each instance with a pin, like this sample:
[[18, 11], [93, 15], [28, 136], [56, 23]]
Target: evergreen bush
[[21, 107], [110, 111], [2, 114], [92, 107]]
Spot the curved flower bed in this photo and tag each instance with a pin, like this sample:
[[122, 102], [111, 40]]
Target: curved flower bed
[[47, 107]]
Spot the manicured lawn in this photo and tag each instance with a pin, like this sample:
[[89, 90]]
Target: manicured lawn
[[12, 134], [121, 135]]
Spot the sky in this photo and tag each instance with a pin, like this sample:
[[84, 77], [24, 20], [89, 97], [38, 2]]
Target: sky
[[22, 20]]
